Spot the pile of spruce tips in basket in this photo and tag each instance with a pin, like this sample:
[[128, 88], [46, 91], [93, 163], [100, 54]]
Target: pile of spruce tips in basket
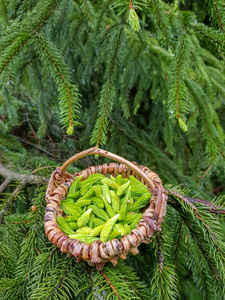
[[104, 212], [101, 208]]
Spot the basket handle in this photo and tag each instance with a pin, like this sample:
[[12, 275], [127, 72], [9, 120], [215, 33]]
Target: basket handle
[[112, 156]]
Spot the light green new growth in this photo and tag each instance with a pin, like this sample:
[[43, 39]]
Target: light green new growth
[[107, 228], [84, 218]]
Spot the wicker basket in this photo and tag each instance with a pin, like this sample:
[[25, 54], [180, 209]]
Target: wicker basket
[[99, 253]]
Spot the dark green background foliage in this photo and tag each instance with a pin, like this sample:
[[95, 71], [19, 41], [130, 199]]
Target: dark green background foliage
[[75, 74]]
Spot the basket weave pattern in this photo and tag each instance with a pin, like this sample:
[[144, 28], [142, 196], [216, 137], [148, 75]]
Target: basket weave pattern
[[98, 253]]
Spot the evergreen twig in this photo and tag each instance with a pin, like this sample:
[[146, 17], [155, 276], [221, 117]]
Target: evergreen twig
[[19, 177], [10, 200], [112, 287]]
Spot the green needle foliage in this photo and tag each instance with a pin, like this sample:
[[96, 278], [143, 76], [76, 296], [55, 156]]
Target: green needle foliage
[[145, 79], [108, 91], [68, 93]]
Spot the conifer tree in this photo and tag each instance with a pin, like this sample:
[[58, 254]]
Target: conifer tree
[[143, 79]]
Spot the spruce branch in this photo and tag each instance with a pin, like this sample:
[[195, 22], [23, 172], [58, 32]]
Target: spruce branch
[[35, 239], [208, 169], [205, 229], [57, 277], [13, 54], [178, 86], [213, 139], [212, 35], [141, 140], [10, 200], [177, 100], [183, 198], [17, 39], [68, 93], [177, 245], [9, 288], [19, 177], [140, 287], [163, 283], [209, 206], [107, 92], [120, 282], [24, 179], [219, 15], [161, 21], [18, 286], [25, 6], [7, 261], [198, 265], [168, 133], [37, 147], [111, 285], [88, 11], [132, 65]]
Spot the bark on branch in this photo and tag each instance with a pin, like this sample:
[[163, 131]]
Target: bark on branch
[[191, 201], [23, 179], [19, 177]]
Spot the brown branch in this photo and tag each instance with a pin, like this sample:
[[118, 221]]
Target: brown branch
[[47, 17], [184, 198], [88, 11], [206, 172], [218, 16], [22, 178], [37, 251], [160, 19], [112, 287], [4, 185], [18, 177], [210, 206], [159, 253], [38, 147]]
